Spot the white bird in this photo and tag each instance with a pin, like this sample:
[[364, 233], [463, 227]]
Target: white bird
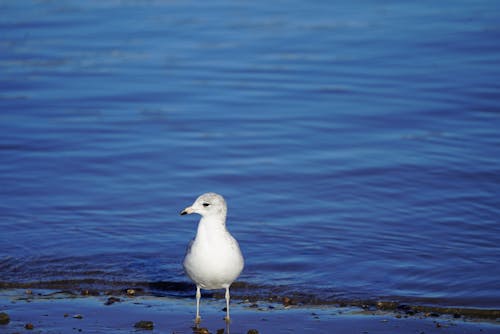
[[213, 258]]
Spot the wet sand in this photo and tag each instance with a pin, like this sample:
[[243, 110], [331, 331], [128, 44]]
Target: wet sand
[[60, 312]]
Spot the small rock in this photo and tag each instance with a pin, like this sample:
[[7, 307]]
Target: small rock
[[382, 305], [202, 330], [438, 324], [28, 292], [78, 316], [29, 326], [89, 292], [253, 331], [4, 318], [404, 307], [288, 301], [112, 300], [130, 292], [143, 324]]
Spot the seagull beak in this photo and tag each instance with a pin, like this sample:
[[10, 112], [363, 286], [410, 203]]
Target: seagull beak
[[188, 210]]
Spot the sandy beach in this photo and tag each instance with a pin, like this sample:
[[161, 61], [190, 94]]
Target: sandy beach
[[64, 312]]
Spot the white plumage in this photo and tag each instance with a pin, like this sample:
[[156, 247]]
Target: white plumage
[[213, 259]]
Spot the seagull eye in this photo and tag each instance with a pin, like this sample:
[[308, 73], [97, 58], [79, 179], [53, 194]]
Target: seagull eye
[[206, 204]]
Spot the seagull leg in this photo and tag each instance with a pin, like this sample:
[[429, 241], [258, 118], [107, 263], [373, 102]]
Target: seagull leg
[[227, 305], [197, 320]]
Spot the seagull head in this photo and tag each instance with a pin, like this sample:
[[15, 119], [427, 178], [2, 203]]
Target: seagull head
[[207, 205]]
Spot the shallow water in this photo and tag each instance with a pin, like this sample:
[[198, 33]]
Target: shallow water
[[357, 145]]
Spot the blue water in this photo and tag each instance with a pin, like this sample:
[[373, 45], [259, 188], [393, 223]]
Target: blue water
[[357, 144]]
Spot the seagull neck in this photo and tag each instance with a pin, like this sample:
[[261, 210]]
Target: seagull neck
[[215, 224]]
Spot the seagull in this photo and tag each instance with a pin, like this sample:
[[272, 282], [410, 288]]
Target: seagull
[[213, 258]]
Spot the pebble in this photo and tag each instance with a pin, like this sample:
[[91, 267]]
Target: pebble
[[112, 300], [387, 305], [144, 324], [431, 314], [29, 326], [404, 307], [253, 331], [288, 301], [78, 316], [4, 318], [89, 292]]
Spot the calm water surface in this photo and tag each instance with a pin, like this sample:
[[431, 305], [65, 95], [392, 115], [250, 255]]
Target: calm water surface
[[357, 145]]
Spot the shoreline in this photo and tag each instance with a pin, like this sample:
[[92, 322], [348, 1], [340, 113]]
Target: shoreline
[[63, 312], [243, 291]]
